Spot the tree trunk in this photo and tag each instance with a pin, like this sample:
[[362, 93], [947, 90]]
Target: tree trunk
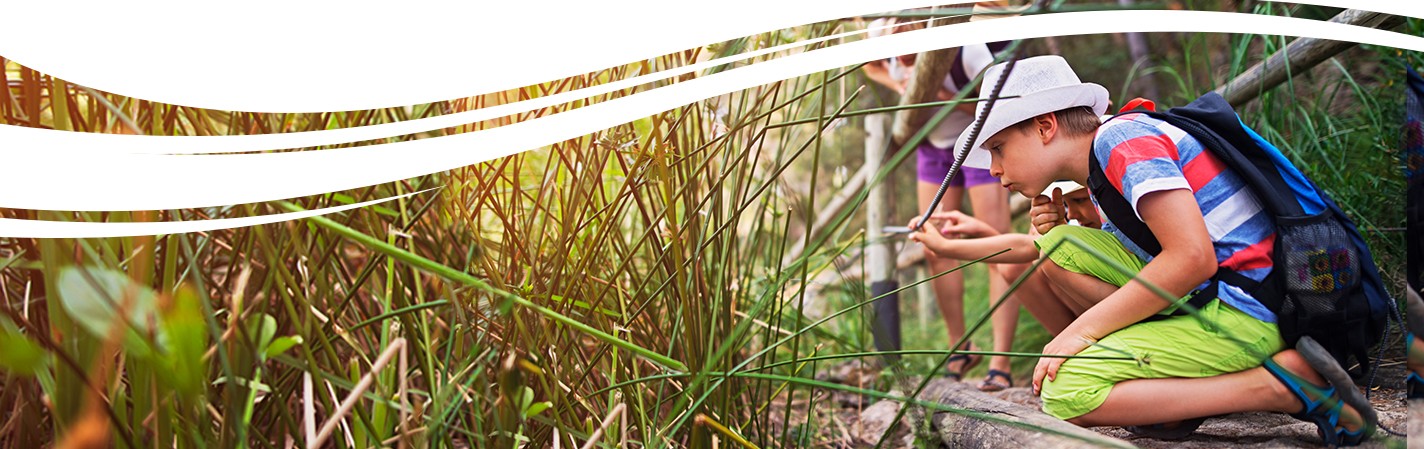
[[930, 69], [1137, 47]]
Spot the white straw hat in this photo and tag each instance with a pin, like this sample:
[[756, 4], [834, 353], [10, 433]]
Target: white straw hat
[[1037, 86], [1067, 186]]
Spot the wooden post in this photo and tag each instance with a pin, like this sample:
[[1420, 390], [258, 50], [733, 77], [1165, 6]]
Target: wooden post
[[879, 258]]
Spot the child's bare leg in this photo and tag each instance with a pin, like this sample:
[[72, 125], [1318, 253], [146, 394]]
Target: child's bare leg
[[1005, 320], [1038, 298], [1170, 400], [991, 206], [948, 289], [1062, 296], [1082, 289]]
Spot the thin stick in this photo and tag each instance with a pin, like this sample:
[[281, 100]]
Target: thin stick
[[712, 423], [356, 392], [403, 368], [607, 421], [308, 408]]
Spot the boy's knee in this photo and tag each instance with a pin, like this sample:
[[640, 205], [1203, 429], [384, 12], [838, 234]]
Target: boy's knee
[[1073, 393]]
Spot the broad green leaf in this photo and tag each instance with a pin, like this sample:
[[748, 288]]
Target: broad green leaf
[[188, 340], [94, 295], [263, 330], [19, 355], [281, 345], [526, 398], [537, 408]]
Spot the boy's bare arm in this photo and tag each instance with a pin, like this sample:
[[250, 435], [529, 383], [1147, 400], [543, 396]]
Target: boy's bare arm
[[1187, 259]]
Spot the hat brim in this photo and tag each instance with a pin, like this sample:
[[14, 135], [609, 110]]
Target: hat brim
[[1009, 111], [1067, 187]]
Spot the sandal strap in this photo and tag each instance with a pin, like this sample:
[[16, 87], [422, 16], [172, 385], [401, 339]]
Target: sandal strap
[[1324, 413], [1008, 378], [956, 376], [1297, 386]]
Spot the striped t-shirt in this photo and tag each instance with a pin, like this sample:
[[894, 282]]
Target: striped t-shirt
[[1141, 155]]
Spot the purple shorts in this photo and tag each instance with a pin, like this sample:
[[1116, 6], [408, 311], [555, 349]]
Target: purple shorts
[[932, 163]]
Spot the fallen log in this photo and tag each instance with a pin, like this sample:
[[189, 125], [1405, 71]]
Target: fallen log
[[959, 430], [1298, 57], [964, 431]]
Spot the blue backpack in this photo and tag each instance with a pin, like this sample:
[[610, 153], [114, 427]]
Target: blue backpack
[[1324, 283]]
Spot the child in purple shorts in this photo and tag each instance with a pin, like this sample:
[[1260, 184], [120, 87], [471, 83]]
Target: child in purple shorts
[[988, 199], [931, 164]]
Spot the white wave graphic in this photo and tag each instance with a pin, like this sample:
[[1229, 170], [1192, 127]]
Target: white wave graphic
[[154, 181], [334, 55], [141, 144], [138, 144], [10, 227], [315, 55], [150, 182]]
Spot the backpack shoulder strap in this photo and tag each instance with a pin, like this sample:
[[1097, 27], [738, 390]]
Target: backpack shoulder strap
[[1117, 209]]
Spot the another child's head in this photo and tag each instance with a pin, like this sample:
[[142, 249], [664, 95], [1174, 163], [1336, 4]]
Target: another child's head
[[1041, 127], [1079, 206]]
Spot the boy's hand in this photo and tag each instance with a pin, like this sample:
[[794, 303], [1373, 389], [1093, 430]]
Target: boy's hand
[[1048, 212], [1065, 343]]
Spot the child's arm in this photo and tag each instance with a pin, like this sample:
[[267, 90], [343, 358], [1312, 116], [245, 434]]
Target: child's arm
[[1187, 259], [879, 72], [984, 240], [1020, 246]]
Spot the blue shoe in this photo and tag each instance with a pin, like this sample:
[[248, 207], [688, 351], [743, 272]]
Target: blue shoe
[[1323, 404]]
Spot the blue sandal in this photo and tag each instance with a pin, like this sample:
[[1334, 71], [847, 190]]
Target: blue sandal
[[1325, 412]]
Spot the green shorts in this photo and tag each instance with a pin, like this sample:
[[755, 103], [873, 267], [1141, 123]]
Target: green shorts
[[1179, 346]]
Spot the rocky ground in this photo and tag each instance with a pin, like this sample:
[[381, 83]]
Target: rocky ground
[[856, 421]]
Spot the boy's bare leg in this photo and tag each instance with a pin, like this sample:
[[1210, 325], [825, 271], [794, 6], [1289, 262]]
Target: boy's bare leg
[[1083, 290], [1170, 400], [948, 289], [1037, 296], [991, 206]]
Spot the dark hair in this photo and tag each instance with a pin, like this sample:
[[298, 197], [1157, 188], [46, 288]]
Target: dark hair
[[1074, 121]]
